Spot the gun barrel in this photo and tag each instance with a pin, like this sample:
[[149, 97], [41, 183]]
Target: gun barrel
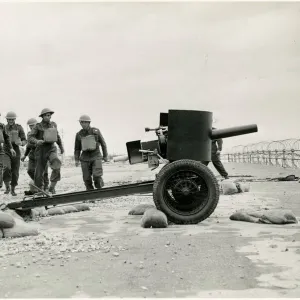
[[233, 131]]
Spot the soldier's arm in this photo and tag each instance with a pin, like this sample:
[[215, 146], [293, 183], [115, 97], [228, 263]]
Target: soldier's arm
[[102, 143], [32, 135], [22, 135], [27, 151], [59, 140], [77, 147], [220, 144], [7, 139]]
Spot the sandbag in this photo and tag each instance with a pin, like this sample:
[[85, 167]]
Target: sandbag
[[154, 218], [278, 216], [50, 135], [88, 143], [6, 220], [244, 217], [140, 209], [81, 207], [244, 187], [55, 211], [21, 229], [39, 212], [69, 209], [229, 187], [14, 137], [271, 216]]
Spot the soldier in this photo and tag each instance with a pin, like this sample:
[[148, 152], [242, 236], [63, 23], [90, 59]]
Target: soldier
[[44, 135], [11, 164], [4, 139], [216, 149], [87, 142], [30, 152]]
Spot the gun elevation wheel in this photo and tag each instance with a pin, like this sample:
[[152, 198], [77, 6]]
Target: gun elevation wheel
[[186, 191]]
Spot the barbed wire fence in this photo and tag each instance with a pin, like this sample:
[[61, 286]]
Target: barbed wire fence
[[280, 153]]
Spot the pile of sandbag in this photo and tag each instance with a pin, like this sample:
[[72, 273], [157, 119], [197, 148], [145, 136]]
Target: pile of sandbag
[[12, 226], [151, 217], [266, 216], [58, 210], [230, 187]]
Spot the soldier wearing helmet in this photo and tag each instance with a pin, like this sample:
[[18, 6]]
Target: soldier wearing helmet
[[87, 152], [44, 135], [30, 152], [4, 139], [11, 163]]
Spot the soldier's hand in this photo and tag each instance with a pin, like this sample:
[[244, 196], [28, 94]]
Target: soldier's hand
[[76, 163], [105, 159], [13, 152], [218, 152], [40, 142], [23, 158], [62, 151]]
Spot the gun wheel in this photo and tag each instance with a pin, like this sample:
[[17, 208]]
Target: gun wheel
[[186, 191]]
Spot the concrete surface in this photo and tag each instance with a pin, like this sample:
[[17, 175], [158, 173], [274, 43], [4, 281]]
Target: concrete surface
[[105, 253]]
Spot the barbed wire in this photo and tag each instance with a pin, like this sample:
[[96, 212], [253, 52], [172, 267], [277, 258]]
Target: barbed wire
[[283, 153]]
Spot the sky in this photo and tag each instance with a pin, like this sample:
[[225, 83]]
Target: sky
[[124, 63]]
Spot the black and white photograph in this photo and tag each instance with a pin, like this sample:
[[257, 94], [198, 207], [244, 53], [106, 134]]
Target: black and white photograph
[[149, 149]]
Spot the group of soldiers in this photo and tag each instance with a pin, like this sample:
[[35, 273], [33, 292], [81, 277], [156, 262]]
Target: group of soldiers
[[42, 152]]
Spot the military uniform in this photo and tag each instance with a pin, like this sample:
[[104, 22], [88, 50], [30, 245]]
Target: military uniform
[[30, 152], [91, 160], [11, 163], [44, 153], [4, 139], [215, 157]]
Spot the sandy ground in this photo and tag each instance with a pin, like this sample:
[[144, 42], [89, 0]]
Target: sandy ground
[[105, 253]]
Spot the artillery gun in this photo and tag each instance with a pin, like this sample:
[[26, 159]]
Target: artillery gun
[[184, 189]]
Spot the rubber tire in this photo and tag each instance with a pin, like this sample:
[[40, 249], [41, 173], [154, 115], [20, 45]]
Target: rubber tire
[[204, 172]]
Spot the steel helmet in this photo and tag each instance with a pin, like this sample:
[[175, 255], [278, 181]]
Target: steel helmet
[[46, 111], [85, 118], [31, 121], [11, 115]]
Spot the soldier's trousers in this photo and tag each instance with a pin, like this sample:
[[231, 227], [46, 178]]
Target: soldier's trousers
[[44, 154], [1, 168], [31, 170], [92, 171], [11, 168], [219, 167]]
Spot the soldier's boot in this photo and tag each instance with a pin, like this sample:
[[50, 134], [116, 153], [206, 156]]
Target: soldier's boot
[[46, 188], [89, 187], [98, 182], [52, 188], [7, 188], [13, 191]]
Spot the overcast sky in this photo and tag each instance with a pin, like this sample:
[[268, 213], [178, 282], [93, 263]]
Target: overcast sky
[[123, 63]]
